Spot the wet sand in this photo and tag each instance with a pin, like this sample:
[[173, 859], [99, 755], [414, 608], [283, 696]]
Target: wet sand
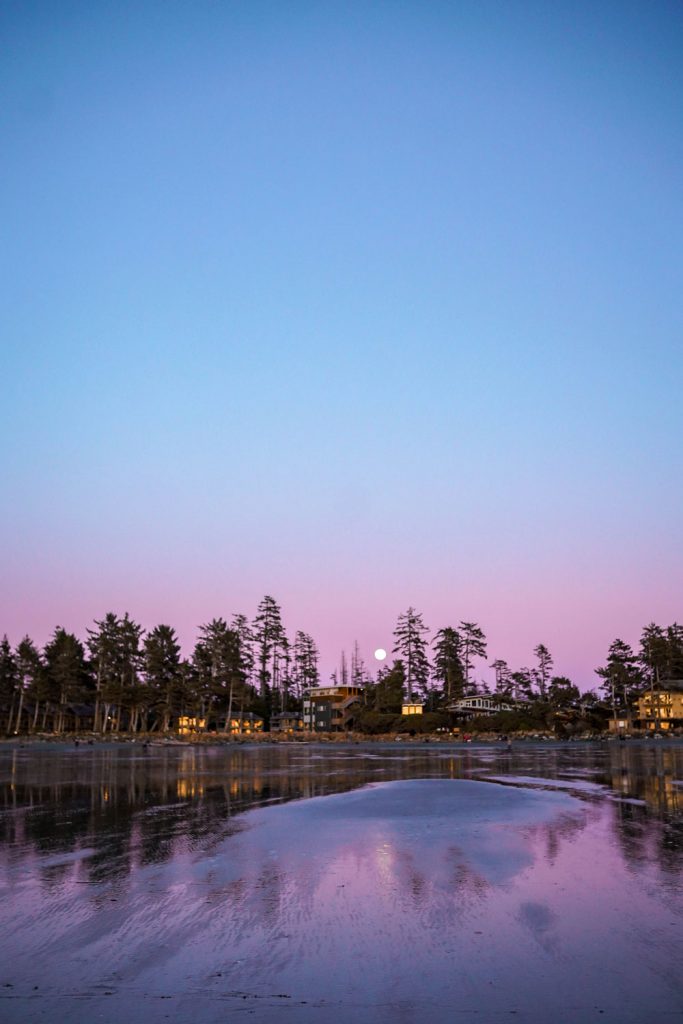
[[438, 899]]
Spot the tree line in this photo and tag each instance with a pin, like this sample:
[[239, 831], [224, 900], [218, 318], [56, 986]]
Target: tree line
[[125, 679], [450, 672], [138, 682], [441, 672]]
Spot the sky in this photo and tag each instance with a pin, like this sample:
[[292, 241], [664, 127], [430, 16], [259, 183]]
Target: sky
[[364, 306]]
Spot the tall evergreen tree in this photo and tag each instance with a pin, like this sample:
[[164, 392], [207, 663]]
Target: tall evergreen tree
[[411, 646], [67, 672], [562, 694], [503, 678], [240, 625], [162, 673], [132, 693], [473, 646], [30, 672], [306, 673], [285, 674], [269, 639], [189, 686], [220, 668], [103, 645], [389, 689], [358, 673], [521, 684], [39, 693], [117, 661], [622, 676], [9, 682], [448, 668], [674, 639], [654, 652], [543, 670]]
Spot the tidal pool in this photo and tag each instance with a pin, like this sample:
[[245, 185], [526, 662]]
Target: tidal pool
[[347, 883]]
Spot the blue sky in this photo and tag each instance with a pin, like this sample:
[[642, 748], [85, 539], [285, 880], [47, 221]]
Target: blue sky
[[361, 305]]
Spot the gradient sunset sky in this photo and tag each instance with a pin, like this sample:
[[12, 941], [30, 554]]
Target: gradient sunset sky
[[361, 305]]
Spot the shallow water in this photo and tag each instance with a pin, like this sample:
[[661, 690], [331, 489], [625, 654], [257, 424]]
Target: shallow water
[[347, 883]]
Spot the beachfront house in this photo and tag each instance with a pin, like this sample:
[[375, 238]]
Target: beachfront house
[[187, 724], [661, 708], [287, 721], [330, 708], [245, 724], [478, 705], [240, 724]]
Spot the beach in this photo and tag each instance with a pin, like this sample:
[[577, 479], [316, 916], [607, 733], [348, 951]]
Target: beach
[[324, 889]]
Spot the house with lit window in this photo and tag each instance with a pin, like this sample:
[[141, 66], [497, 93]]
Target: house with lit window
[[479, 704], [240, 724], [661, 708], [287, 721], [330, 708], [188, 724], [246, 723]]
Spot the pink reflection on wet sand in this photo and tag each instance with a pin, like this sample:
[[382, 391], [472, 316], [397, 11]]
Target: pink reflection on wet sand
[[395, 902]]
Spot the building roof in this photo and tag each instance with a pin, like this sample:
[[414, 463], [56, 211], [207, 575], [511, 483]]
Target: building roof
[[667, 686], [333, 691]]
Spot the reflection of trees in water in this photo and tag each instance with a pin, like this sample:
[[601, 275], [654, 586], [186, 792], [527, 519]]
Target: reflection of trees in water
[[645, 839], [554, 833], [131, 805], [135, 805], [467, 885]]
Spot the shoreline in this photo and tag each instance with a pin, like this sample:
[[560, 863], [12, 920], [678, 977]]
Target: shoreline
[[148, 740]]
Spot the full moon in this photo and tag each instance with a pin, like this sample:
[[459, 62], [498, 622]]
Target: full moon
[[380, 654]]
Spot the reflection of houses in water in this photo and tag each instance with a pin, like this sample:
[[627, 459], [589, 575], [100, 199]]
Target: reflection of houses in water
[[330, 708], [136, 805], [189, 789], [664, 793], [649, 774]]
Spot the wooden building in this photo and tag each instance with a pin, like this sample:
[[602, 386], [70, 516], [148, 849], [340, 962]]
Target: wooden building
[[287, 721], [477, 705], [661, 709], [330, 708]]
